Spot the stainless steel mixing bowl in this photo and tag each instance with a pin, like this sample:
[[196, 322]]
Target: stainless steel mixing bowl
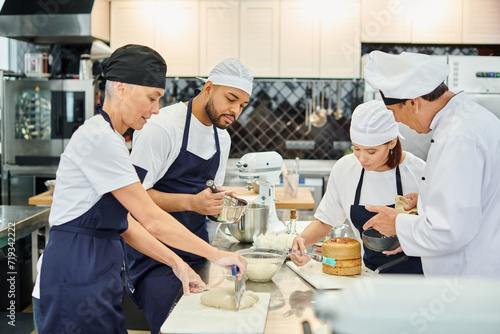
[[253, 223]]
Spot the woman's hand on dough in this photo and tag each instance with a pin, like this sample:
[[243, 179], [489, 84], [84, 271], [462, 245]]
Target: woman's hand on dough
[[191, 281], [299, 244], [227, 259]]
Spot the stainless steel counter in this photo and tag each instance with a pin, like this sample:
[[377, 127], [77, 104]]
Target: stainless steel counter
[[19, 221], [291, 297]]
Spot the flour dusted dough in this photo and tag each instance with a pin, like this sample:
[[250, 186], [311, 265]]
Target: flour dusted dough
[[223, 298]]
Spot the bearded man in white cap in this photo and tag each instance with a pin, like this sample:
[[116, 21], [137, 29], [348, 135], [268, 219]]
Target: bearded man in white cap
[[175, 154], [458, 227]]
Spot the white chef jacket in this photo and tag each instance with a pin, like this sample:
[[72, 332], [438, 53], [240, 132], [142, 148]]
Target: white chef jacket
[[457, 231], [379, 188], [158, 144], [95, 162]]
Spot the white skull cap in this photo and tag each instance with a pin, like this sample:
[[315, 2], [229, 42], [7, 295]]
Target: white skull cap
[[372, 124], [405, 76], [232, 73]]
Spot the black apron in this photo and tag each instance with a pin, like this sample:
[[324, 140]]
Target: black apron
[[372, 259], [80, 282], [156, 286]]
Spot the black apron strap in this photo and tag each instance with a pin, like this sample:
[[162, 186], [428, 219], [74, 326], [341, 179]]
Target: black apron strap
[[399, 185], [358, 189]]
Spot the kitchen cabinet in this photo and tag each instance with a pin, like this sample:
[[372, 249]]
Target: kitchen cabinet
[[259, 36], [132, 22], [340, 52], [219, 33], [437, 22], [481, 24], [169, 27], [177, 36], [386, 21], [299, 38]]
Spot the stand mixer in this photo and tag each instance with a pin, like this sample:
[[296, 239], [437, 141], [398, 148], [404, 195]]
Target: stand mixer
[[263, 168]]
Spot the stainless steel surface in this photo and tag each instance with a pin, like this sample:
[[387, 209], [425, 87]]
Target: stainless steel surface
[[19, 221], [292, 298], [254, 222], [44, 23], [239, 286]]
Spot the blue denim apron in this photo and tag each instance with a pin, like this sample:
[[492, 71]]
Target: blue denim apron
[[372, 259], [156, 286], [80, 283]]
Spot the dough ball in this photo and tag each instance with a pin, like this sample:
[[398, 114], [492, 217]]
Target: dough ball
[[223, 298]]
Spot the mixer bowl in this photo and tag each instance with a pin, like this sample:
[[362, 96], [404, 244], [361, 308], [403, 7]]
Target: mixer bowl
[[253, 223]]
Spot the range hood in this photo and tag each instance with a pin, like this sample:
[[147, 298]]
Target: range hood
[[52, 21]]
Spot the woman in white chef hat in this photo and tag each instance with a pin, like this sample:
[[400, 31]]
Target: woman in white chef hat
[[375, 173]]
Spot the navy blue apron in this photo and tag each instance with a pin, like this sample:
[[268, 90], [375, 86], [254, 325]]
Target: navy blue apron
[[156, 286], [372, 259], [80, 283]]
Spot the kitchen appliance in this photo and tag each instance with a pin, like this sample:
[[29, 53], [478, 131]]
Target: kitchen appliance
[[478, 77], [252, 223], [49, 22], [85, 71], [263, 168], [38, 118], [37, 65]]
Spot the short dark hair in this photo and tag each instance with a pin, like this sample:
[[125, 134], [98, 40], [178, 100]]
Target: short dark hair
[[394, 159], [432, 96], [436, 93]]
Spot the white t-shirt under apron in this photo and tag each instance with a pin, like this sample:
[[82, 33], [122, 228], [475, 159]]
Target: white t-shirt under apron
[[157, 145]]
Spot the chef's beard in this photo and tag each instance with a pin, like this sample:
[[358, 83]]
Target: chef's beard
[[214, 118]]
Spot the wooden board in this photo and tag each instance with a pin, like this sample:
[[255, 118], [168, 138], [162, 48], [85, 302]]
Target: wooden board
[[303, 201], [191, 316], [313, 274], [41, 199]]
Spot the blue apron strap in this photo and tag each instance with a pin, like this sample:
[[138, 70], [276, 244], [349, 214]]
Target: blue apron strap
[[188, 123], [358, 189], [113, 235], [99, 111]]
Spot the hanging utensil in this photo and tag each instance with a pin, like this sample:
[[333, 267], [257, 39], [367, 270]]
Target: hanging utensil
[[339, 113], [329, 111], [319, 116]]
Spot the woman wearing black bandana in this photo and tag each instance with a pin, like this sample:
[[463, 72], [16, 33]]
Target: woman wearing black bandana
[[79, 287]]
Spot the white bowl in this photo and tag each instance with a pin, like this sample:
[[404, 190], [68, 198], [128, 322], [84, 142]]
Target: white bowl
[[262, 263]]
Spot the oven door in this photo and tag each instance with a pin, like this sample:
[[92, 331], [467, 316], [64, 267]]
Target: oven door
[[40, 116]]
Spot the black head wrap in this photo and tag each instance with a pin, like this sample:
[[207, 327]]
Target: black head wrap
[[134, 64]]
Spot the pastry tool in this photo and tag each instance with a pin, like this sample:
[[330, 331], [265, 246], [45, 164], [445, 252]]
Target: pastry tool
[[319, 258], [239, 286]]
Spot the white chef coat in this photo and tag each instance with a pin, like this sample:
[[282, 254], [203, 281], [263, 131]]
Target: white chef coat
[[457, 231], [157, 145], [379, 188], [95, 162]]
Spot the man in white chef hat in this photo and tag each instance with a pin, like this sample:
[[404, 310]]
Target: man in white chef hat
[[175, 154], [457, 229]]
